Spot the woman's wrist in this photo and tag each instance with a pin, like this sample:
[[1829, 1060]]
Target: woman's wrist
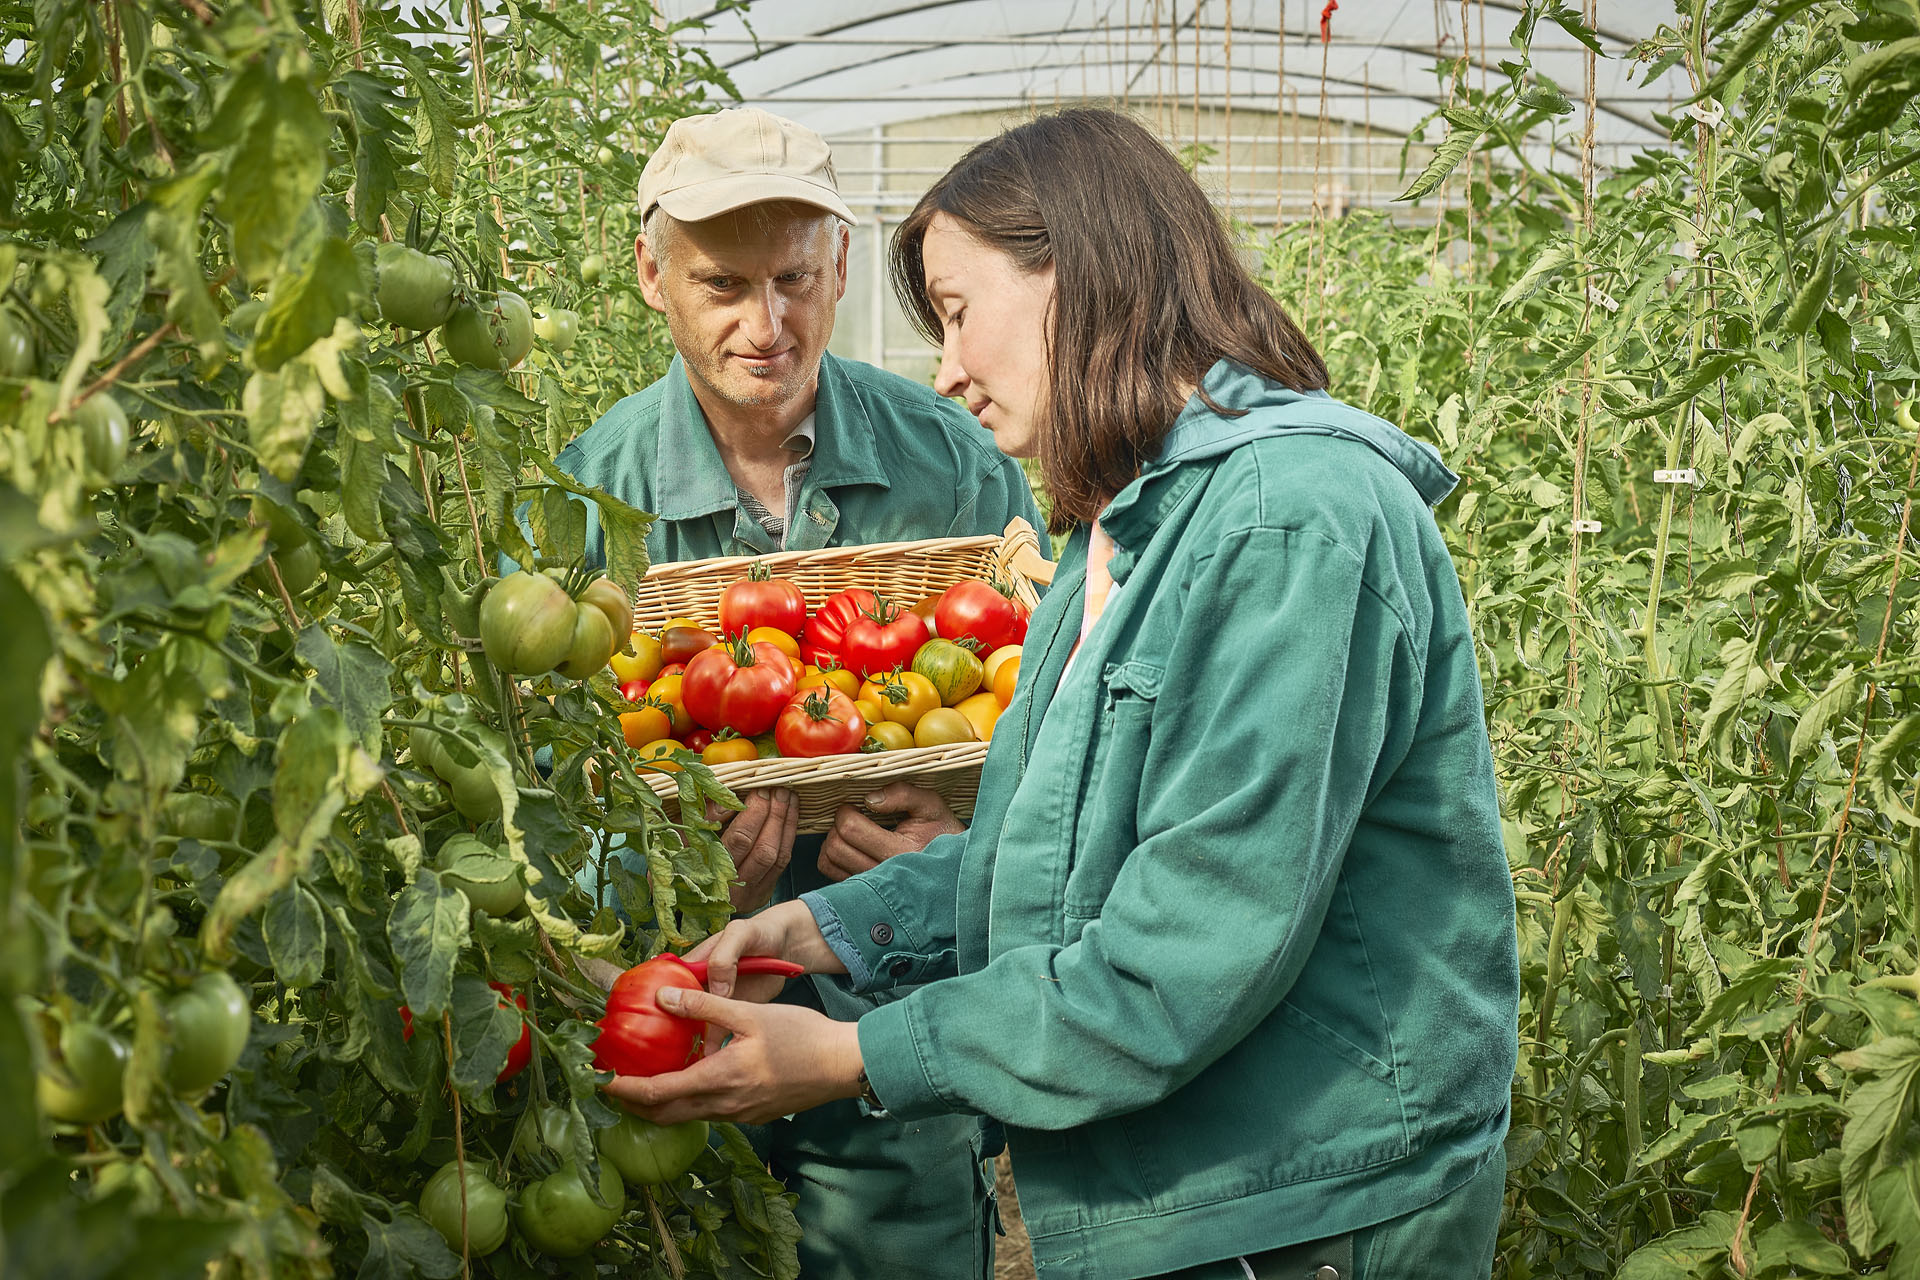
[[803, 943]]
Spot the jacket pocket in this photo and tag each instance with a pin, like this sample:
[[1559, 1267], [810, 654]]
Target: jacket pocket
[[1105, 827]]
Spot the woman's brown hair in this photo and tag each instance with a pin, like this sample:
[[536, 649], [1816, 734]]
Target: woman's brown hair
[[1148, 289]]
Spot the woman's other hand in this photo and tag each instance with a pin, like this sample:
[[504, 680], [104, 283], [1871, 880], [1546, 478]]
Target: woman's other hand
[[785, 932], [777, 1059]]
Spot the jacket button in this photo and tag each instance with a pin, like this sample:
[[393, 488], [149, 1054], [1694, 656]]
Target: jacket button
[[882, 934], [899, 968], [1326, 1273]]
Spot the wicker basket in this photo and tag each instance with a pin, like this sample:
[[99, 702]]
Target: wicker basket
[[905, 571]]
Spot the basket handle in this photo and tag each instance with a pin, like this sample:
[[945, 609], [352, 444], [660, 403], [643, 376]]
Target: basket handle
[[1024, 552]]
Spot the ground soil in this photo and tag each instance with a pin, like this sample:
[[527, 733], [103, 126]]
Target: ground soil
[[1013, 1255]]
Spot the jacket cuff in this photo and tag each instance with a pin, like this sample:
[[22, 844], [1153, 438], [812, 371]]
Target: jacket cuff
[[893, 1051], [873, 940]]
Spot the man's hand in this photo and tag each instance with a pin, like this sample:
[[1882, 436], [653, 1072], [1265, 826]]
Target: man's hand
[[858, 843], [760, 840]]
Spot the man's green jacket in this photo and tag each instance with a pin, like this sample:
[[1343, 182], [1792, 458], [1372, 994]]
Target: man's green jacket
[[1229, 948], [892, 462]]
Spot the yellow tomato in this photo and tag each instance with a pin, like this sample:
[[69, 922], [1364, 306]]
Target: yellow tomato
[[885, 735], [777, 638], [1004, 680], [730, 751], [942, 726], [645, 663], [838, 678], [683, 622], [869, 709], [906, 697], [656, 754], [991, 664], [982, 710]]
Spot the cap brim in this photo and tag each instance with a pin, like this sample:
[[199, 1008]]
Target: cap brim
[[705, 200]]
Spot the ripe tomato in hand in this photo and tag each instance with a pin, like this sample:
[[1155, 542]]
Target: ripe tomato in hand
[[638, 1037], [820, 722], [881, 639], [741, 687], [761, 600], [981, 612]]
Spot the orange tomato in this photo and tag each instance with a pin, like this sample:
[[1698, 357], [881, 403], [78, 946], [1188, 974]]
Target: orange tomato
[[643, 665], [730, 751], [1004, 680], [658, 754], [990, 664], [982, 710], [667, 690], [650, 723]]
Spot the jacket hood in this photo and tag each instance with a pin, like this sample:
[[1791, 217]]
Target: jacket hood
[[1264, 409]]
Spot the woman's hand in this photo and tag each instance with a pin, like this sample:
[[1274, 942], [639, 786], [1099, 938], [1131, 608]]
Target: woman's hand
[[778, 1059], [786, 932]]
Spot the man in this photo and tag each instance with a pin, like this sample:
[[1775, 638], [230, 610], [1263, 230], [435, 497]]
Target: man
[[756, 440]]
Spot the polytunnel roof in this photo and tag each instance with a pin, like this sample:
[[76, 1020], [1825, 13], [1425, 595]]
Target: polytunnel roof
[[845, 67]]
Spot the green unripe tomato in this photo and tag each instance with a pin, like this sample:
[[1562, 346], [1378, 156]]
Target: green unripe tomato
[[592, 645], [299, 568], [557, 327], [646, 1153], [103, 432], [486, 1208], [83, 1087], [16, 346], [210, 1022], [1904, 416], [474, 795], [605, 595], [495, 331], [604, 156], [489, 878], [559, 1218], [195, 815], [415, 290], [592, 267], [526, 624]]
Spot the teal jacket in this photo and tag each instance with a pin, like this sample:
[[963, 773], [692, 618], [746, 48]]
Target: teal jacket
[[892, 462], [1229, 948]]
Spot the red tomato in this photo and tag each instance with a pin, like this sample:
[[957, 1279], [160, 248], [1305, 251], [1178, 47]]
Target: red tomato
[[882, 639], [828, 625], [634, 690], [522, 1052], [677, 644], [760, 600], [697, 740], [638, 1037], [980, 612], [741, 687], [820, 722]]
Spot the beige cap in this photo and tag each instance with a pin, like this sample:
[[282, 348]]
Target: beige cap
[[711, 164]]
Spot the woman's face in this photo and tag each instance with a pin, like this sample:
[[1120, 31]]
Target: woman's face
[[993, 324]]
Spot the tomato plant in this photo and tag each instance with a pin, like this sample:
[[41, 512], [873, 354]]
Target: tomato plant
[[484, 1213], [819, 722]]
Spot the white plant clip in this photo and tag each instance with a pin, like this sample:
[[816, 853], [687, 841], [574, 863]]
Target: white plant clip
[[1708, 113], [1686, 475], [1601, 298], [1586, 526]]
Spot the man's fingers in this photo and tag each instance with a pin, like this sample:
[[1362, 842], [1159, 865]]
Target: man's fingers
[[854, 845], [905, 798]]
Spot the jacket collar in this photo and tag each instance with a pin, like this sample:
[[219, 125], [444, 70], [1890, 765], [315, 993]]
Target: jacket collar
[[1200, 434], [843, 449]]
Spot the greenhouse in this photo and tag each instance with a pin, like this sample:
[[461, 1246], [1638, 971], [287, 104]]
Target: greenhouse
[[951, 639]]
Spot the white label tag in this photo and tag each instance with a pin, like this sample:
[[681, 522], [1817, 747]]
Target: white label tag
[[1708, 113], [1685, 476], [1586, 526], [1601, 298]]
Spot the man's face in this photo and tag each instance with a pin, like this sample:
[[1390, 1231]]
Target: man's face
[[749, 299]]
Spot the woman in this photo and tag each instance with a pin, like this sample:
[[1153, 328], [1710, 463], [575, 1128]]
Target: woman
[[1229, 948]]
